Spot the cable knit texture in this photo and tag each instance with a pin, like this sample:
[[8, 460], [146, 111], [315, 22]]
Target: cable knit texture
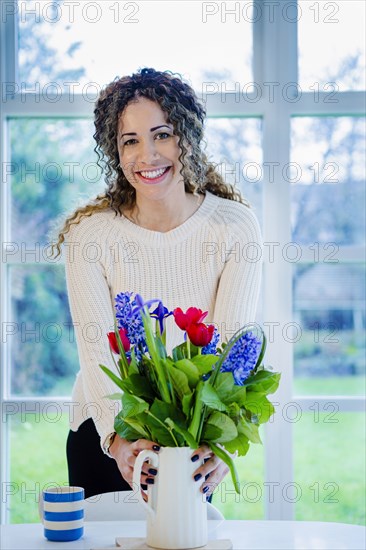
[[212, 261]]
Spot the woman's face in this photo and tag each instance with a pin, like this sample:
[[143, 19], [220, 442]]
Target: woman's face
[[148, 150]]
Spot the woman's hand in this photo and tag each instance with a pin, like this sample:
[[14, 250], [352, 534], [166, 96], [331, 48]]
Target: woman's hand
[[125, 452], [212, 471]]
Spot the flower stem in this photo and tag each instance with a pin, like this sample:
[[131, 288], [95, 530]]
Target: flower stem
[[150, 341], [188, 348], [164, 426], [197, 412]]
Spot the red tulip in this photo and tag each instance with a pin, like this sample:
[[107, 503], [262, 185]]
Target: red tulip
[[200, 334], [193, 315], [113, 340]]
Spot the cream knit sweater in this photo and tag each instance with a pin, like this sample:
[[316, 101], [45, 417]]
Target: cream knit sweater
[[212, 261]]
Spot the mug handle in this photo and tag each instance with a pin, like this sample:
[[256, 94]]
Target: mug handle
[[140, 459]]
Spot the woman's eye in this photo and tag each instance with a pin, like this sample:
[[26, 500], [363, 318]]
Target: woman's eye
[[161, 135], [129, 142]]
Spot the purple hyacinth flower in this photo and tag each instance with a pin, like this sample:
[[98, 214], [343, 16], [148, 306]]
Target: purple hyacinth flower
[[211, 347], [242, 357]]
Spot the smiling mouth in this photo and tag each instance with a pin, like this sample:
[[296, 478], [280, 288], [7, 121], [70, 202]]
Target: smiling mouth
[[153, 175]]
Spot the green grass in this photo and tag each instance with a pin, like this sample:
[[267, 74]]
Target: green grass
[[327, 457], [334, 385], [329, 466], [38, 458]]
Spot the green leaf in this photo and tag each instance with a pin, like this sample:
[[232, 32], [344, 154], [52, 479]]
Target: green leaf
[[240, 444], [132, 367], [132, 406], [262, 352], [164, 410], [190, 370], [160, 347], [160, 431], [211, 399], [211, 432], [250, 430], [185, 433], [225, 386], [130, 430], [220, 453], [264, 382], [114, 396], [122, 362], [258, 404], [204, 363], [239, 395], [179, 380], [113, 377], [226, 425], [140, 386], [187, 404], [234, 411], [179, 352]]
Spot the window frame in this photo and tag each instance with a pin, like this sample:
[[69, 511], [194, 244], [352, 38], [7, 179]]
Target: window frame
[[274, 61]]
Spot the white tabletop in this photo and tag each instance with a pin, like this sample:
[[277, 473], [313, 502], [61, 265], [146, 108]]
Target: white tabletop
[[245, 535]]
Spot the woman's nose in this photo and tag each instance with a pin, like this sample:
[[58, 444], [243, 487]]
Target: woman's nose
[[147, 151]]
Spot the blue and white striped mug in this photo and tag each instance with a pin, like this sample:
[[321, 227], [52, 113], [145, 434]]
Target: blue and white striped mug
[[63, 513]]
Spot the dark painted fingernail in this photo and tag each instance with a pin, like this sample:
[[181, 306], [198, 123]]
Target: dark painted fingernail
[[152, 471], [156, 448], [207, 476], [197, 477], [205, 489], [143, 486], [206, 459], [149, 481], [194, 458]]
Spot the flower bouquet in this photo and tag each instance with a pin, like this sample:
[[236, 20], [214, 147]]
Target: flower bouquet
[[201, 394]]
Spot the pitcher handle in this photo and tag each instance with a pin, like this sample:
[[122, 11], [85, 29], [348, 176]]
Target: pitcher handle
[[140, 459]]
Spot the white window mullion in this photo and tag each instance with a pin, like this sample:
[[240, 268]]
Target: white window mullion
[[324, 403], [331, 104], [279, 69], [8, 80]]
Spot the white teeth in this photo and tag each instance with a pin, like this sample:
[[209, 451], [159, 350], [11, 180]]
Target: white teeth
[[153, 173]]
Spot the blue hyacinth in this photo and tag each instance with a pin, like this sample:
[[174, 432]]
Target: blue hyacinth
[[242, 357], [212, 346], [132, 323]]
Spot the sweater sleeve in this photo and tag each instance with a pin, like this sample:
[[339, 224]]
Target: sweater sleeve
[[92, 315], [239, 285]]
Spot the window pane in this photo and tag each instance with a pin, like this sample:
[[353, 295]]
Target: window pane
[[329, 308], [42, 348], [37, 457], [53, 169], [328, 180], [234, 146], [329, 469], [95, 41], [331, 38]]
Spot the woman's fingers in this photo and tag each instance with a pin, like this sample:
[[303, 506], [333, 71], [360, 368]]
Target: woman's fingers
[[213, 479], [211, 472]]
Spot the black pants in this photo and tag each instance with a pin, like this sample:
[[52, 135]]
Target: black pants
[[89, 466]]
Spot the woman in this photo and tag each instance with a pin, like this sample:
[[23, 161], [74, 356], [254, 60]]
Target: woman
[[167, 227]]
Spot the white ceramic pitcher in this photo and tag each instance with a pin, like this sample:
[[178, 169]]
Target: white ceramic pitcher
[[177, 510]]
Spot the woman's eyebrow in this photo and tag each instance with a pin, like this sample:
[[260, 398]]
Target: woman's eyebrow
[[151, 130]]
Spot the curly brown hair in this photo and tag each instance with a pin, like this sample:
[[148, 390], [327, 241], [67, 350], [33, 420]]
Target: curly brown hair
[[183, 110]]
